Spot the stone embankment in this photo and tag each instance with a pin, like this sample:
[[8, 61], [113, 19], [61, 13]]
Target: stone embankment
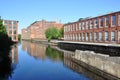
[[105, 63]]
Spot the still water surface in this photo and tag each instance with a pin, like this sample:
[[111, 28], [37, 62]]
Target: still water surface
[[32, 61]]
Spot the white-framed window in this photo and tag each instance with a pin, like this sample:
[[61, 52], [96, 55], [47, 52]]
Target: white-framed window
[[73, 37], [101, 36], [91, 36], [106, 21], [113, 36], [71, 27], [113, 20], [68, 27], [82, 36], [91, 24], [87, 25], [76, 27], [87, 36], [82, 25], [79, 37], [101, 22], [95, 36], [106, 36], [119, 36], [96, 23], [119, 20]]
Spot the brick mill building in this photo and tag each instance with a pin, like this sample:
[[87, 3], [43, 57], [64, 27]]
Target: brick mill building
[[100, 29], [12, 29], [37, 29]]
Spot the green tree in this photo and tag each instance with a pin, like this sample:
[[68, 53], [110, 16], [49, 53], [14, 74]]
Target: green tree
[[61, 33], [5, 41], [51, 33], [2, 28]]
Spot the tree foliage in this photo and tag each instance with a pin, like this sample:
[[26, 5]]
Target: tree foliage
[[5, 41], [53, 33], [2, 28], [61, 33]]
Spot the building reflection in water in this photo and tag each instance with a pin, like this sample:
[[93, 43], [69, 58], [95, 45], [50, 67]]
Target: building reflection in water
[[41, 51], [14, 54], [35, 50]]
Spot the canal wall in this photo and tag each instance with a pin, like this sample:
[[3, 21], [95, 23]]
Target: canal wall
[[105, 63], [108, 49]]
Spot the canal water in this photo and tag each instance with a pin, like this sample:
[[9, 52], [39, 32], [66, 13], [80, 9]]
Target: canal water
[[33, 61]]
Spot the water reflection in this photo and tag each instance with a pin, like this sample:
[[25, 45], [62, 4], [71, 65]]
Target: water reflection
[[41, 51], [35, 50], [50, 54], [8, 63], [53, 54]]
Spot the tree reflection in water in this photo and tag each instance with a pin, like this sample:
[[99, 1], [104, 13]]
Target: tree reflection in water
[[6, 65], [5, 68], [54, 54]]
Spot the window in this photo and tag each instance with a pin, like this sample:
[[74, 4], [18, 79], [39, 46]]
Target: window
[[10, 27], [10, 32], [14, 37], [119, 20], [87, 35], [113, 36], [106, 21], [91, 36], [101, 36], [86, 24], [14, 22], [80, 28], [73, 37], [80, 37], [82, 25], [91, 24], [14, 27], [118, 36], [95, 23], [73, 27], [76, 27], [95, 36], [113, 20], [106, 36], [101, 22], [14, 31]]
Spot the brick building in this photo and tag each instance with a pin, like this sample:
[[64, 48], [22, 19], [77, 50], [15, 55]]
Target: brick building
[[12, 29], [100, 29], [37, 29]]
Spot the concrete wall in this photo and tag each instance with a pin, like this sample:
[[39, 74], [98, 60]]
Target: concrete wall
[[105, 63]]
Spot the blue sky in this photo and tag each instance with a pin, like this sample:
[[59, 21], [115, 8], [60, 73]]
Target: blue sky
[[28, 11]]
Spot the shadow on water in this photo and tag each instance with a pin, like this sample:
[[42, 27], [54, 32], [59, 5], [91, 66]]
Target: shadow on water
[[5, 68], [6, 65]]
